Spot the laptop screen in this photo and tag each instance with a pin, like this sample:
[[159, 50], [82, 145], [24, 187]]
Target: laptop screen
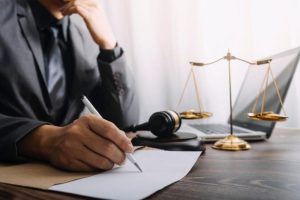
[[283, 66]]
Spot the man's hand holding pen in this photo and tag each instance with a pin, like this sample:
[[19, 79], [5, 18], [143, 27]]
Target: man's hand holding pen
[[88, 144]]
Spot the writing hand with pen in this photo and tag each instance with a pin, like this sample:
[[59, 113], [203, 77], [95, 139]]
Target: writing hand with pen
[[88, 144]]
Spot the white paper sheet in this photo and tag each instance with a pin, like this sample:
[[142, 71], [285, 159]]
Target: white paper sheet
[[160, 169]]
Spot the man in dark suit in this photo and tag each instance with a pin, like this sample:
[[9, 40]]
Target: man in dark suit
[[48, 59]]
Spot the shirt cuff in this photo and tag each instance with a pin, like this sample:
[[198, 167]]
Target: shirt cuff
[[110, 55]]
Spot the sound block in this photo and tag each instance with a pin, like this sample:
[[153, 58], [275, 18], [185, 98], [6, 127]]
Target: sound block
[[178, 142], [179, 136]]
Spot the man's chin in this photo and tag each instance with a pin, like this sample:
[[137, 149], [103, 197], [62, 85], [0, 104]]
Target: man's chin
[[61, 2]]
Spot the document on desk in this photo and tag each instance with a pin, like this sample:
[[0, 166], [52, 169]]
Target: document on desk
[[160, 169]]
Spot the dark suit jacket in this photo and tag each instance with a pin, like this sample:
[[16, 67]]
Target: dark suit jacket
[[24, 99]]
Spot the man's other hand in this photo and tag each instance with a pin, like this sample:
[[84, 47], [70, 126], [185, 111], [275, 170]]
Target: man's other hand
[[95, 18]]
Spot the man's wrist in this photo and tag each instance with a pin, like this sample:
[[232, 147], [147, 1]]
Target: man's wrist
[[39, 142], [108, 45], [110, 55]]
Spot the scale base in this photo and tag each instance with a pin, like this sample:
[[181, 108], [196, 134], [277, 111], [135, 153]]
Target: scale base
[[231, 143]]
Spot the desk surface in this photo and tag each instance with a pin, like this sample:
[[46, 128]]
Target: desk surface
[[270, 170]]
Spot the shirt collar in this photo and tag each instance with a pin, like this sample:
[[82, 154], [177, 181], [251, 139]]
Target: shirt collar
[[44, 19]]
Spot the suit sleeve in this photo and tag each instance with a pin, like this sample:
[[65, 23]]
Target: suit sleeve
[[13, 129], [116, 98]]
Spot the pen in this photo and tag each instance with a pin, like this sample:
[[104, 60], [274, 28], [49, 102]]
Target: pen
[[93, 110]]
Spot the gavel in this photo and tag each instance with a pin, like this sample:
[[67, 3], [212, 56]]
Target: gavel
[[163, 124]]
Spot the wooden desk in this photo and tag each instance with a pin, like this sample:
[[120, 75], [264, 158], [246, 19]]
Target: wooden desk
[[270, 170]]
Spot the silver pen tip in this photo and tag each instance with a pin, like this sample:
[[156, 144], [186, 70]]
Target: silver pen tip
[[137, 166]]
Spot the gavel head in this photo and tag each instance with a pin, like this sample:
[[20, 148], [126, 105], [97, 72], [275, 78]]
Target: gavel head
[[164, 123]]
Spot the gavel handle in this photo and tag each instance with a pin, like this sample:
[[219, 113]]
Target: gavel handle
[[134, 128], [129, 129]]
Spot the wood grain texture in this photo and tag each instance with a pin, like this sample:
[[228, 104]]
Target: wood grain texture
[[270, 170]]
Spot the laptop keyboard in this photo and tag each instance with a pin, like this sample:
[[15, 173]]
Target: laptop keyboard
[[216, 129]]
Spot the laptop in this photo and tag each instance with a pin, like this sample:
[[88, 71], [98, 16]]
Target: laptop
[[283, 66]]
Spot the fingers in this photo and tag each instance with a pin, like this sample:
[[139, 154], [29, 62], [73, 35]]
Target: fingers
[[109, 131], [103, 148], [78, 165], [82, 11], [82, 7], [94, 160], [72, 154], [88, 144], [86, 165], [87, 2]]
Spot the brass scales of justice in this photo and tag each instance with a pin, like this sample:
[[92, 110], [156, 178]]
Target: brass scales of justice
[[231, 142]]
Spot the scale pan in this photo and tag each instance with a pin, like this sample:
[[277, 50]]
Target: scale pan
[[267, 116], [191, 114]]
